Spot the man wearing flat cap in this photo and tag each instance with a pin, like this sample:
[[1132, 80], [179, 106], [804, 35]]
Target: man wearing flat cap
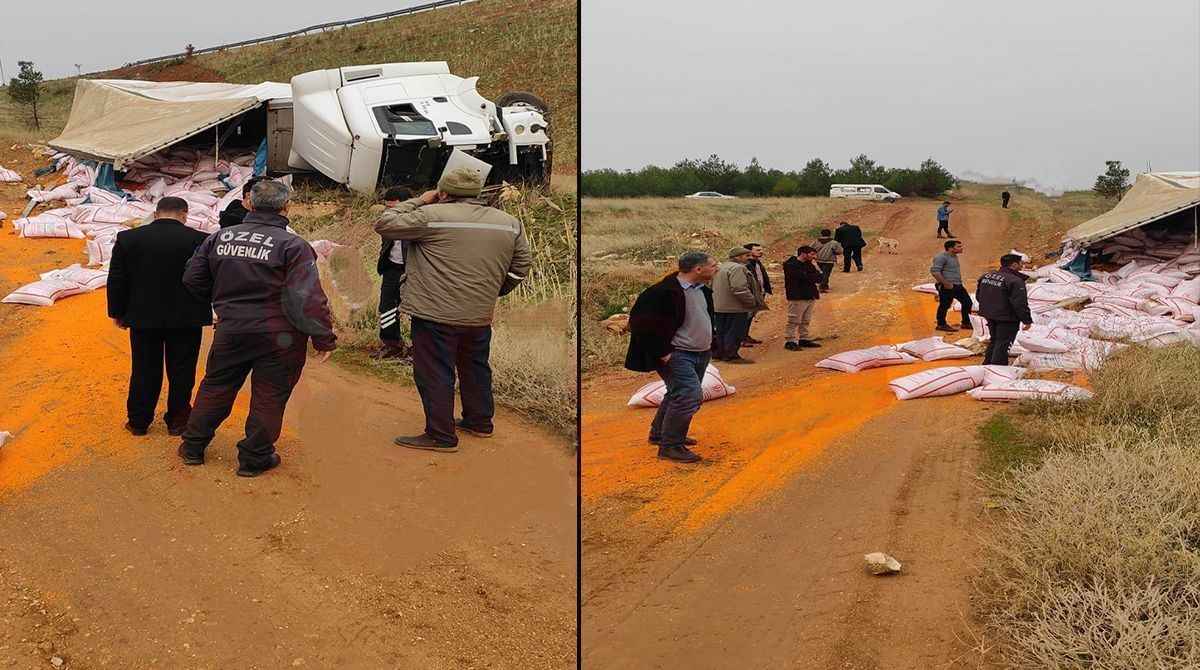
[[462, 255], [736, 297]]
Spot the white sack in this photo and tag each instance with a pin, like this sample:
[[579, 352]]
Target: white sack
[[861, 359], [713, 387], [931, 383]]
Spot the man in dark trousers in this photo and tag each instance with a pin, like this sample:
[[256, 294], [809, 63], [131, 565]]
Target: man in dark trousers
[[828, 249], [759, 272], [1004, 198], [671, 333], [235, 211], [146, 295], [462, 255], [801, 281], [947, 274], [391, 269], [736, 297], [1004, 302], [943, 219], [263, 283], [851, 238]]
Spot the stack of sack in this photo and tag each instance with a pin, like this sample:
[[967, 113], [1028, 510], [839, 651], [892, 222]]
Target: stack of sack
[[58, 284], [984, 382], [96, 214]]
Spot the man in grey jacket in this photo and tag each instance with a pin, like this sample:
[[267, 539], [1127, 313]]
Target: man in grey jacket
[[736, 296], [462, 255]]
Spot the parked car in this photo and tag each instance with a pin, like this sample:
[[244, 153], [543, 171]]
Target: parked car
[[863, 192], [397, 123], [710, 195]]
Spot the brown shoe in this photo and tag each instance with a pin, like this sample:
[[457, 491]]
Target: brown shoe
[[390, 352], [947, 328], [751, 340]]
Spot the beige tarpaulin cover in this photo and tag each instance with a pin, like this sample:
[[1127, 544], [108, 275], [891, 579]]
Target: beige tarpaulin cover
[[1154, 195], [120, 121]]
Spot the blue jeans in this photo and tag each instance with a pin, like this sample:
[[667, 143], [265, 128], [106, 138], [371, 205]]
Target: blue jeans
[[682, 375]]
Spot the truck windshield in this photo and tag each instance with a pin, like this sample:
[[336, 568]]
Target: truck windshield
[[403, 120]]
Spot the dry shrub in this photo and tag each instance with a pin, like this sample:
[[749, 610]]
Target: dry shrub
[[1097, 562]]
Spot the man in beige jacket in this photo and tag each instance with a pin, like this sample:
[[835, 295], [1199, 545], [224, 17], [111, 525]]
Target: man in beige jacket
[[736, 297], [461, 256]]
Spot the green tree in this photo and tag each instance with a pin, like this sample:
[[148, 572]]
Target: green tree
[[1114, 182], [25, 89], [815, 178]]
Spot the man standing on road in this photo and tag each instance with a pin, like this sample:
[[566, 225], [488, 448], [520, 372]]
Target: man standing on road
[[800, 280], [948, 276], [462, 255], [671, 333], [851, 238], [1003, 301], [828, 249], [943, 218], [263, 283], [759, 272], [146, 295], [736, 296], [391, 268], [1004, 197]]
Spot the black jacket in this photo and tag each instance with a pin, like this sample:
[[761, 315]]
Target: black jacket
[[754, 265], [655, 317], [801, 281], [1002, 296], [385, 263], [849, 236], [145, 277], [233, 215], [262, 279]]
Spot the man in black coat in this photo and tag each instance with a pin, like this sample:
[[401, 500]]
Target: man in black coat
[[802, 284], [391, 268], [146, 296], [235, 211], [671, 333], [1004, 302], [1004, 198], [851, 238], [759, 272]]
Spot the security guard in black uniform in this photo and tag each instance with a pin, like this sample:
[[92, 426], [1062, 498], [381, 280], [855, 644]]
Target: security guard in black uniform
[[263, 284]]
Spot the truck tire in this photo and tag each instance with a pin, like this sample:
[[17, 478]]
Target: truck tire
[[523, 97], [890, 201], [512, 98]]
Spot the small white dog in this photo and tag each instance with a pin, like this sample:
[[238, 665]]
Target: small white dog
[[889, 245]]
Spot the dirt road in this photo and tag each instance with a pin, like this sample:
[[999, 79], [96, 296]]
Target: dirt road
[[753, 558], [355, 553]]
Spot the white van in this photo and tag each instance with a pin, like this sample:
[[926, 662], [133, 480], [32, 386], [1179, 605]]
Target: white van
[[863, 192]]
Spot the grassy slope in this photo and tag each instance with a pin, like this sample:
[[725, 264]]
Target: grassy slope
[[528, 45]]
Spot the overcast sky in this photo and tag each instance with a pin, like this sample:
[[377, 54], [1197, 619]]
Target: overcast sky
[[1041, 89], [100, 35]]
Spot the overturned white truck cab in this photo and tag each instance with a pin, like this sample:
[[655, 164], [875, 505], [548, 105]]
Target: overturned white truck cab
[[397, 123], [364, 126]]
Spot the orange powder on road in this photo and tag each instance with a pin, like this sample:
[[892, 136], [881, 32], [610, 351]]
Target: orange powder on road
[[753, 442], [64, 373]]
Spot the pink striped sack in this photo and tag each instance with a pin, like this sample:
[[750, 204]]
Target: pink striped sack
[[1030, 389], [43, 293], [933, 349], [932, 383], [862, 359], [88, 280], [713, 386]]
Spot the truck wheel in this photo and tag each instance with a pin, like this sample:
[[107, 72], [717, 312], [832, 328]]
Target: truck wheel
[[890, 201], [513, 98]]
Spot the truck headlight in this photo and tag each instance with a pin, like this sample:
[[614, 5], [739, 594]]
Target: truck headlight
[[520, 130]]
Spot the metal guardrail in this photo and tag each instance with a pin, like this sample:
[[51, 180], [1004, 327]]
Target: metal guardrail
[[321, 26]]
